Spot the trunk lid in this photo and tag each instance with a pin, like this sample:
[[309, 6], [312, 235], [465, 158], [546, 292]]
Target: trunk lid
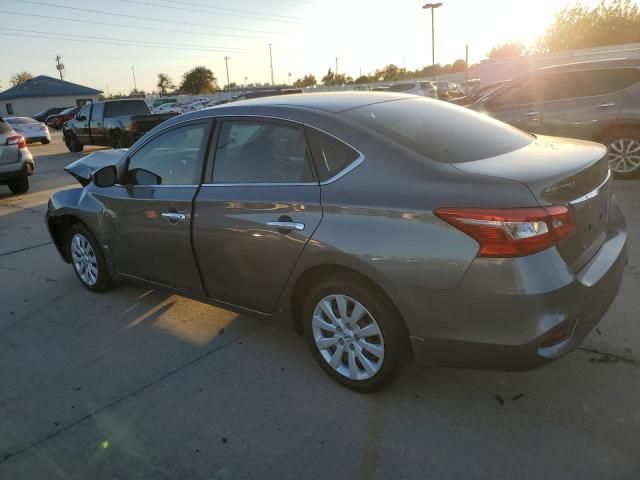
[[561, 171], [83, 168]]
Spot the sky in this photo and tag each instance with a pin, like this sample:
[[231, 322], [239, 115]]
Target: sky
[[100, 42]]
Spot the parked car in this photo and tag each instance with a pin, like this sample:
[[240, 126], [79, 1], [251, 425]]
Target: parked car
[[160, 101], [390, 235], [481, 92], [116, 123], [425, 89], [16, 162], [265, 93], [58, 120], [42, 115], [30, 129], [168, 108], [195, 106], [470, 86], [597, 101], [447, 90]]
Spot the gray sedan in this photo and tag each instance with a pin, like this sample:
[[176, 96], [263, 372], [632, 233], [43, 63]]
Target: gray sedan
[[382, 227]]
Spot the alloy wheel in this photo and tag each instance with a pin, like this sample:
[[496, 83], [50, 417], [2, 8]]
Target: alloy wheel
[[84, 259], [624, 155], [348, 337]]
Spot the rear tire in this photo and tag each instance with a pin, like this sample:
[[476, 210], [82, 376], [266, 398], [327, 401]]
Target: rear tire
[[354, 333], [46, 142], [116, 139], [87, 260], [19, 186], [624, 152]]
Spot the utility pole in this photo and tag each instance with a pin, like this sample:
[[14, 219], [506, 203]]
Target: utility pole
[[59, 65], [289, 75], [226, 64], [271, 65], [133, 72], [466, 62], [336, 74], [245, 80], [433, 6]]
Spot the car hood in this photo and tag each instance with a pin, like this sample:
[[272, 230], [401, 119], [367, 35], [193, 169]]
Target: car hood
[[83, 168]]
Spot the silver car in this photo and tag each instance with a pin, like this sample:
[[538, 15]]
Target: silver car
[[16, 162], [423, 89], [383, 227], [32, 130]]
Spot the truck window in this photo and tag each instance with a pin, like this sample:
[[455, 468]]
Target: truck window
[[97, 111], [126, 108]]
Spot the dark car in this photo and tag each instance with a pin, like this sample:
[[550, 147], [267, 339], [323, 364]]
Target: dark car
[[115, 123], [382, 226], [44, 114], [57, 121], [265, 93], [481, 92], [597, 101]]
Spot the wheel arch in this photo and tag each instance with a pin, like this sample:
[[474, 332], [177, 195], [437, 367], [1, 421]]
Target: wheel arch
[[619, 124], [59, 227]]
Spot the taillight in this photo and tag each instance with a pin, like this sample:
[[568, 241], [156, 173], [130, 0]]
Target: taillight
[[16, 140], [511, 232]]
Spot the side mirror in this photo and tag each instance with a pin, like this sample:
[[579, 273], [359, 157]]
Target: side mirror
[[106, 176], [81, 118]]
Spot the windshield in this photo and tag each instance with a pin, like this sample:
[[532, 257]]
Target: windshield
[[68, 110], [439, 130]]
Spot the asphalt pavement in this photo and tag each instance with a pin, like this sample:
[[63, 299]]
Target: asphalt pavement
[[141, 383]]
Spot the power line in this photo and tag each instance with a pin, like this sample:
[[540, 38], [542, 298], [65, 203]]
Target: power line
[[139, 17], [100, 42], [199, 5], [162, 44], [136, 27], [236, 15]]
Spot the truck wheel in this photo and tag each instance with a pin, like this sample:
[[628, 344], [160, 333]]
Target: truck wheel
[[73, 144], [19, 186], [116, 139]]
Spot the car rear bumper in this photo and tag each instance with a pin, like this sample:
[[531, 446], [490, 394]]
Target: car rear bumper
[[14, 171], [504, 310]]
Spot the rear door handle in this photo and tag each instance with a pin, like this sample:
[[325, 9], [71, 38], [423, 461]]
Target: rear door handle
[[606, 105], [174, 217], [532, 114], [287, 225]]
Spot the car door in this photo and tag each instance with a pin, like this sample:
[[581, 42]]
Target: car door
[[150, 212], [96, 124], [257, 211], [580, 103], [519, 104], [82, 124]]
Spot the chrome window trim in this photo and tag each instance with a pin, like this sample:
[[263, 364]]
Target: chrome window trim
[[593, 193]]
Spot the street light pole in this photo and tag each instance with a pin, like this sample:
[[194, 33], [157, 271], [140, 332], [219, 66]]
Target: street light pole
[[433, 6], [271, 64], [133, 72], [226, 64]]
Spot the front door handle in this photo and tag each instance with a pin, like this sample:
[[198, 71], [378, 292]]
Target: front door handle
[[287, 225], [532, 114], [174, 217], [606, 105]]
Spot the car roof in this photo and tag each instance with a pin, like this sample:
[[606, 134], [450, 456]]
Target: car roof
[[332, 102], [592, 65]]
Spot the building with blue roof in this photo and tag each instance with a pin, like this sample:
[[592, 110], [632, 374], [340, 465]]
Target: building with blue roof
[[43, 92]]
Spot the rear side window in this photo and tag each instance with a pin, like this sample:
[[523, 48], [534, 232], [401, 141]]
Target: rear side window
[[122, 109], [330, 155], [601, 82], [440, 131]]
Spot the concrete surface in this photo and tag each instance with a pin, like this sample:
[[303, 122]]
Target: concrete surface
[[143, 384]]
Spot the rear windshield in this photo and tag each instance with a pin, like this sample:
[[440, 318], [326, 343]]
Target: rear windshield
[[440, 131], [122, 109], [20, 120]]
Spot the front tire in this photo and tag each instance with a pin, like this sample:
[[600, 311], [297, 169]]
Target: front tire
[[87, 260], [354, 333], [73, 144], [623, 149], [19, 186]]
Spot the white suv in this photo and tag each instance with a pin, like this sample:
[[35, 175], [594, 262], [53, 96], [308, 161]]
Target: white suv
[[424, 89], [16, 162]]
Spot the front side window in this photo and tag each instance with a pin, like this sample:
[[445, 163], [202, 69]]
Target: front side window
[[250, 151], [84, 112], [521, 93], [97, 111], [171, 158]]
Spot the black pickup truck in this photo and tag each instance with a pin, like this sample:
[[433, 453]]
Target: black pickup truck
[[116, 123]]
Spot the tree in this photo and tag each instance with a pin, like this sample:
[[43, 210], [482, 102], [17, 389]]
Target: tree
[[165, 83], [458, 66], [199, 80], [306, 81], [137, 93], [18, 78], [390, 73], [505, 50], [608, 23], [363, 79]]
